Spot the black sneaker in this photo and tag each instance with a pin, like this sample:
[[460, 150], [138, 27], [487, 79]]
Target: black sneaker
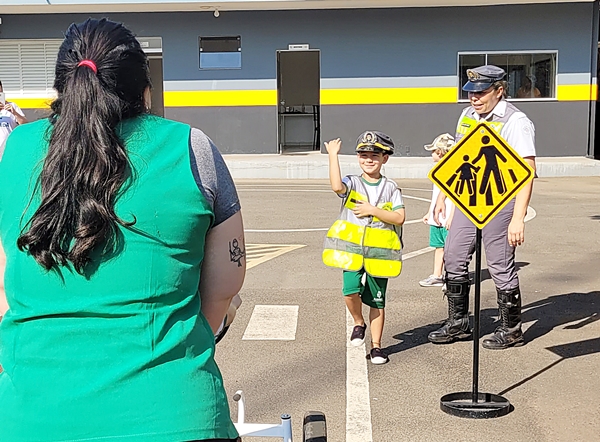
[[358, 335], [378, 357]]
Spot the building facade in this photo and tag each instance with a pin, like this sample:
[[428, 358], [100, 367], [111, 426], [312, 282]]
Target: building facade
[[276, 80]]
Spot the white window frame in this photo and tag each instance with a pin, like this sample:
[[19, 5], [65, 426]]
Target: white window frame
[[49, 47], [150, 45], [523, 52]]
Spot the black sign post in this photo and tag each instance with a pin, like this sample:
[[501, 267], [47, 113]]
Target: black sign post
[[473, 404], [481, 175]]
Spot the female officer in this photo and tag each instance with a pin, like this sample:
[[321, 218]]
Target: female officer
[[107, 214], [500, 237]]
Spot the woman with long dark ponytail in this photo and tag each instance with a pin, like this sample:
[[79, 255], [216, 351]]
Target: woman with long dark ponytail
[[106, 216]]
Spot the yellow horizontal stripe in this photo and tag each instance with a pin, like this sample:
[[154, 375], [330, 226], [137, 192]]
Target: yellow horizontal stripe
[[32, 103], [407, 95], [576, 92], [220, 98], [328, 96]]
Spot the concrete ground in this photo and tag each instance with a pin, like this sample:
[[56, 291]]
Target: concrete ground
[[552, 381]]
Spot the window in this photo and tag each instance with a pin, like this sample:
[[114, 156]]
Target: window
[[529, 75], [220, 52], [27, 66]]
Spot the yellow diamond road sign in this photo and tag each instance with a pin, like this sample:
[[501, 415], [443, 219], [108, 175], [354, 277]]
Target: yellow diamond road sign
[[481, 174]]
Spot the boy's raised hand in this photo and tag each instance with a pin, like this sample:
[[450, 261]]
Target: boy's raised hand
[[334, 146]]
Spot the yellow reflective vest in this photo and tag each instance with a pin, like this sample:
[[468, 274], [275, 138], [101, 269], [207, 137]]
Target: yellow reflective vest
[[354, 243]]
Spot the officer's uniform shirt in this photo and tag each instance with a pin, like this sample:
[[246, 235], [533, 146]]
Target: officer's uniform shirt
[[518, 131]]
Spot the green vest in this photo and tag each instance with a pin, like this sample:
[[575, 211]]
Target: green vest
[[354, 243], [121, 354]]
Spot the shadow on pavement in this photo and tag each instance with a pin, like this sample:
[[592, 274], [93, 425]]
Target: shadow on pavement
[[565, 351], [546, 315], [561, 309]]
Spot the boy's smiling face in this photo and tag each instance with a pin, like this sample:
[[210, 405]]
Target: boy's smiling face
[[371, 162]]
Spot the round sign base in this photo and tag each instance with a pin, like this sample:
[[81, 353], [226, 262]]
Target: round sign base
[[488, 405]]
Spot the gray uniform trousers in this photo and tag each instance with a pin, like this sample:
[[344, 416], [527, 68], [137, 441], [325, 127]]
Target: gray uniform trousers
[[499, 255]]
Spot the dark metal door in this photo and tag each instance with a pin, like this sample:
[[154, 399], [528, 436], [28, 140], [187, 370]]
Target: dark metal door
[[298, 97]]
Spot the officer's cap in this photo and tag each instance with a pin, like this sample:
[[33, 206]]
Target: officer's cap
[[483, 77], [443, 142], [374, 141]]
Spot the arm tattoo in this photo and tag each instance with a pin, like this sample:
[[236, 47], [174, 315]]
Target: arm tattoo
[[236, 254]]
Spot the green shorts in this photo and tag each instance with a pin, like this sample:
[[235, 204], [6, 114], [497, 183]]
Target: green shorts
[[372, 292], [437, 236]]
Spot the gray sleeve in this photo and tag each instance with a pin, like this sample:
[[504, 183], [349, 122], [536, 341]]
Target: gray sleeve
[[213, 177]]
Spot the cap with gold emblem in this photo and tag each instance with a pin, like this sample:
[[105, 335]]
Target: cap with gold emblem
[[374, 141], [482, 78]]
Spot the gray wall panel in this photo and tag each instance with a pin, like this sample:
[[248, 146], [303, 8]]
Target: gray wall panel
[[361, 43], [561, 129], [254, 129], [414, 41], [412, 126], [233, 129]]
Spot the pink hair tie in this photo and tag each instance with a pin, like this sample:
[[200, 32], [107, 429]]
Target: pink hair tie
[[90, 64]]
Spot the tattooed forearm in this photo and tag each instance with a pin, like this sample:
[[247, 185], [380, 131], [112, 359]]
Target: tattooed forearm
[[236, 254]]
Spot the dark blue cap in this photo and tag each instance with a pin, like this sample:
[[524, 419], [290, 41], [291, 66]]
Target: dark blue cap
[[483, 77], [374, 141]]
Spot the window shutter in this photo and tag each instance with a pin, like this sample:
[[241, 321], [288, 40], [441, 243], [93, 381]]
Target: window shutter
[[27, 66]]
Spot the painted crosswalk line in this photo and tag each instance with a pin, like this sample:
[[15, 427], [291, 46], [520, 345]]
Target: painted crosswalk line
[[272, 323], [258, 253]]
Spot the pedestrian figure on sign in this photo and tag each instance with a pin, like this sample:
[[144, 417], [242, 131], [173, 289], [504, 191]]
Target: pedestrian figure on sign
[[467, 174], [491, 154]]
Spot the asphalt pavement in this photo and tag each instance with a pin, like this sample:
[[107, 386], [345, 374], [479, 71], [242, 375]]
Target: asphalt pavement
[[297, 359]]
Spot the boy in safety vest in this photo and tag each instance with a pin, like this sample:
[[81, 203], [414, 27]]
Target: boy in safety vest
[[365, 241]]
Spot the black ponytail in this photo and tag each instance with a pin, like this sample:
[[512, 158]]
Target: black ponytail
[[87, 164]]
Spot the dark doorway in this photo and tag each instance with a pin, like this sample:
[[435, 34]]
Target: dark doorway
[[156, 75], [298, 97]]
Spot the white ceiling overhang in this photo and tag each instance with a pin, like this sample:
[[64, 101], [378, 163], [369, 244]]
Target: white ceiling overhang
[[100, 6]]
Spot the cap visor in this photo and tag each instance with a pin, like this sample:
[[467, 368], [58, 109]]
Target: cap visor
[[476, 86], [429, 147]]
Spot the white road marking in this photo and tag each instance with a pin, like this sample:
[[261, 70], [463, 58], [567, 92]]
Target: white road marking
[[279, 185], [272, 323], [319, 229], [317, 190], [427, 200], [258, 253], [430, 190], [285, 230], [282, 190], [417, 253], [358, 401], [525, 325], [531, 213]]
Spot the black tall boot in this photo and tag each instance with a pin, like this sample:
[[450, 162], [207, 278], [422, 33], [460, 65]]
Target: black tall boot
[[509, 332], [457, 324]]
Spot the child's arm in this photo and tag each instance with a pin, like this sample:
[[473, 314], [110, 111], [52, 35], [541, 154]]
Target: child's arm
[[363, 208], [335, 175]]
